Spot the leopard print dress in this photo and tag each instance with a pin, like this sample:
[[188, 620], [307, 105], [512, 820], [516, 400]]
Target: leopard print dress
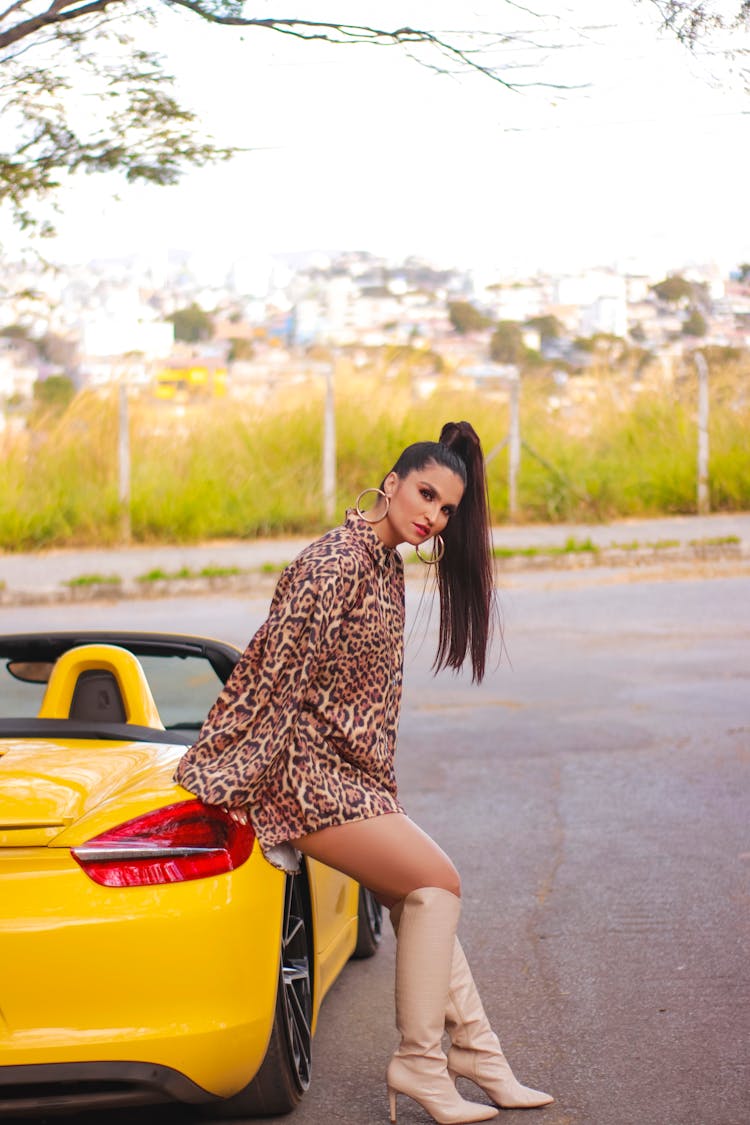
[[304, 733]]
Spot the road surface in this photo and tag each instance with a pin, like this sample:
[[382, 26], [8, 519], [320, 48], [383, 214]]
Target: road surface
[[594, 794]]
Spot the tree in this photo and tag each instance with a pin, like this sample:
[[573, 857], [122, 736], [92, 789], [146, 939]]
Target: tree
[[191, 324], [506, 343], [674, 289], [466, 318], [691, 22], [54, 393], [695, 325], [548, 327], [240, 348], [49, 48]]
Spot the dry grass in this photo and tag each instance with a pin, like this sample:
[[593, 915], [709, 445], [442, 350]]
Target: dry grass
[[235, 469]]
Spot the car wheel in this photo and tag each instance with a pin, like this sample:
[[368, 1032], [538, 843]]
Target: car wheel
[[369, 925], [284, 1075]]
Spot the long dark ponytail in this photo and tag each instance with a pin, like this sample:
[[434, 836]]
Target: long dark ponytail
[[465, 574]]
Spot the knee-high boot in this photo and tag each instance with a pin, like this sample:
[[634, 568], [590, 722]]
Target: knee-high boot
[[475, 1051], [424, 952]]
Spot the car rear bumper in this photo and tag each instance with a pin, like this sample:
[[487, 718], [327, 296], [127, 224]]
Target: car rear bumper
[[170, 980], [71, 1087]]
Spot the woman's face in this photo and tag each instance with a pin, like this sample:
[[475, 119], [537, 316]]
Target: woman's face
[[421, 504]]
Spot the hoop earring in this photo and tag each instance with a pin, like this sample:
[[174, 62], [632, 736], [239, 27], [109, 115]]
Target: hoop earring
[[438, 550], [362, 515]]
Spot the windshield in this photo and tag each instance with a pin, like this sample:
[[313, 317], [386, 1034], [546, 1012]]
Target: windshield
[[183, 686]]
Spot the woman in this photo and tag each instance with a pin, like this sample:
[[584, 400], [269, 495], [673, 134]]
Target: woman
[[302, 739]]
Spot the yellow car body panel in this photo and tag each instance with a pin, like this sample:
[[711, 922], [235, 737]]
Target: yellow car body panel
[[335, 901], [174, 975], [90, 972]]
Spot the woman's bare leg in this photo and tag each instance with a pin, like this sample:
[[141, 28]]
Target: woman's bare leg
[[388, 854], [400, 863]]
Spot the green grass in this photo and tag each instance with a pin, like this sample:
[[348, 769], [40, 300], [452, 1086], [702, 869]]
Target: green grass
[[716, 541], [237, 470], [219, 571], [93, 580], [571, 546], [157, 574]]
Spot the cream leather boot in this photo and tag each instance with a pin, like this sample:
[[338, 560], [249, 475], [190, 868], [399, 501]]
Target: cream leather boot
[[424, 951], [475, 1051]]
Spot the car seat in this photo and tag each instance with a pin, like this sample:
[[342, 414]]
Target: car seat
[[100, 684]]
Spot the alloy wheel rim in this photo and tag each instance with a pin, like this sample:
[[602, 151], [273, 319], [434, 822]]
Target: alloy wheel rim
[[295, 978], [374, 912]]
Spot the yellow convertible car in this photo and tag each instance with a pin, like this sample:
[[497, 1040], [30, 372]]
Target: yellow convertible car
[[148, 952]]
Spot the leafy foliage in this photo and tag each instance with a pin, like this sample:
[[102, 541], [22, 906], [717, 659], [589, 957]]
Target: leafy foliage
[[507, 343], [673, 289], [92, 100], [191, 324], [54, 393], [691, 22], [695, 325], [465, 317], [132, 122], [548, 327], [79, 91]]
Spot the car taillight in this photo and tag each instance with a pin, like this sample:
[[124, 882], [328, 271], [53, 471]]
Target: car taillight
[[170, 845]]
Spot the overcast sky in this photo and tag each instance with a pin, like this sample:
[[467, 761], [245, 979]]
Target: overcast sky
[[645, 164]]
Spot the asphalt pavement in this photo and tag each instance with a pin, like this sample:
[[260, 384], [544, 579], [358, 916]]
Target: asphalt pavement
[[593, 793]]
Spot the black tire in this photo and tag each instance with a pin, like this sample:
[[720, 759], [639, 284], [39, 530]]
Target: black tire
[[369, 927], [284, 1075]]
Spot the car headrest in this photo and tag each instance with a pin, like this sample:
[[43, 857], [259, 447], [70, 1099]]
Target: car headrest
[[100, 683]]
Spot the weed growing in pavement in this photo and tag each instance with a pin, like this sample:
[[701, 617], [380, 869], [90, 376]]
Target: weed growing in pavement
[[159, 575], [716, 541], [93, 580]]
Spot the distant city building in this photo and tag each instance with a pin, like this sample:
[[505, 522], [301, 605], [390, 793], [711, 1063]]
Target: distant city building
[[107, 320]]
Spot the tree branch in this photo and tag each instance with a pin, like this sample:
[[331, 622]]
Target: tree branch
[[13, 8], [343, 33], [55, 14], [689, 20]]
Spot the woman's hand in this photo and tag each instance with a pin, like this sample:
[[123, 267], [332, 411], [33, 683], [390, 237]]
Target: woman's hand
[[239, 816]]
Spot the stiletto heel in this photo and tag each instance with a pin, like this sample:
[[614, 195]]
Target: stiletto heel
[[392, 1104], [475, 1051], [489, 1069]]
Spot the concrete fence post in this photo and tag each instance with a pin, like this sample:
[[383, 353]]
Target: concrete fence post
[[703, 497], [329, 446], [123, 463], [514, 447]]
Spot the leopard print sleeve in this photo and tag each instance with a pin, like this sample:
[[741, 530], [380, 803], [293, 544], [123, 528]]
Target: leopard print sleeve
[[304, 733], [254, 719]]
